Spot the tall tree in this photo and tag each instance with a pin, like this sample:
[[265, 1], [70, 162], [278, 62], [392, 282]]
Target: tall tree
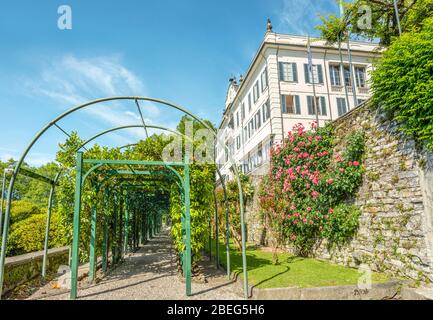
[[376, 19]]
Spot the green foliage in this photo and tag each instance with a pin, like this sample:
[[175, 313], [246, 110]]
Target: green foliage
[[233, 206], [403, 83], [28, 234], [307, 185], [384, 26], [333, 29], [30, 189], [342, 224], [23, 209]]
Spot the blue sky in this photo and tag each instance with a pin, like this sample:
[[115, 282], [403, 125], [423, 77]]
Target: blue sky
[[180, 51]]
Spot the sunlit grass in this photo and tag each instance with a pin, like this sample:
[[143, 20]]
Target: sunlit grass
[[292, 271]]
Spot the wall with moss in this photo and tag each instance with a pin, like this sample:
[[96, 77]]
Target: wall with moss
[[395, 230], [20, 269]]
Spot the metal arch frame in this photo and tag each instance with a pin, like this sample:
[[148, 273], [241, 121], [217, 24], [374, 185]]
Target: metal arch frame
[[77, 209], [216, 208], [136, 99], [227, 235], [97, 186]]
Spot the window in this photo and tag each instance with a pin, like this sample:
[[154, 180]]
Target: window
[[245, 134], [321, 104], [237, 119], [231, 123], [249, 102], [238, 142], [266, 111], [243, 111], [347, 77], [264, 79], [290, 104], [360, 77], [251, 128], [341, 106], [334, 72], [259, 155], [361, 101], [318, 74], [256, 93], [288, 72], [258, 121]]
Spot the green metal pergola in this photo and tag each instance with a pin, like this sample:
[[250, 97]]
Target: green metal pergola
[[141, 226]]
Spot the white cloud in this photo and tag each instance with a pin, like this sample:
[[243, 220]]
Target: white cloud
[[72, 81]]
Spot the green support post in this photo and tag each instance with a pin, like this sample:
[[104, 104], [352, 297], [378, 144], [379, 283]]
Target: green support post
[[114, 231], [105, 235], [188, 261], [47, 227], [76, 233], [217, 244], [227, 242], [92, 254], [210, 239], [126, 227]]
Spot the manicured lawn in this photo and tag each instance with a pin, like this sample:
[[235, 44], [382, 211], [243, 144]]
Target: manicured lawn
[[292, 271]]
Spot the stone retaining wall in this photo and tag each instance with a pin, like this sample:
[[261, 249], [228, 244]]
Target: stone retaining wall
[[22, 268], [396, 199]]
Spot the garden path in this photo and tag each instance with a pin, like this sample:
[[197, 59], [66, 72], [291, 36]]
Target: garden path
[[149, 273]]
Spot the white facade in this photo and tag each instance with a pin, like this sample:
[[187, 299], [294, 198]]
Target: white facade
[[277, 93]]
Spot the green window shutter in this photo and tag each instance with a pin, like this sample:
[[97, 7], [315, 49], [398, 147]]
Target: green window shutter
[[323, 105], [307, 74], [297, 105], [310, 105], [268, 109], [295, 72], [320, 73], [281, 67], [283, 104]]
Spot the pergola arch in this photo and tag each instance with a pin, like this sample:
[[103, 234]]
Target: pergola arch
[[18, 168]]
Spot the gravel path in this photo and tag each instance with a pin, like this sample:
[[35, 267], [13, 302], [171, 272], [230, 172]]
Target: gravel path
[[149, 273]]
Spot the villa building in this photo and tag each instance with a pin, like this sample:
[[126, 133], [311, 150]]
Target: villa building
[[279, 91]]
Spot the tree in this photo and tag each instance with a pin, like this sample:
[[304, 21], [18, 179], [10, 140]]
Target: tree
[[381, 14], [403, 83]]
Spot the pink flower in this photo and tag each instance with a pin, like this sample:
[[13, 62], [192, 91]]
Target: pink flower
[[330, 181], [314, 194], [355, 163], [341, 170], [350, 163], [331, 210], [311, 222], [338, 158], [305, 220], [308, 209]]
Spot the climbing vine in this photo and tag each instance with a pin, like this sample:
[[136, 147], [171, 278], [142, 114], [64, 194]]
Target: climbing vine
[[233, 206], [303, 198]]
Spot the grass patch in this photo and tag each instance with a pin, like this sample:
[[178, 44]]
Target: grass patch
[[292, 271]]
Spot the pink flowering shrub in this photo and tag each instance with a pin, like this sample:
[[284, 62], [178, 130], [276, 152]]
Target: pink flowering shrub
[[304, 196]]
